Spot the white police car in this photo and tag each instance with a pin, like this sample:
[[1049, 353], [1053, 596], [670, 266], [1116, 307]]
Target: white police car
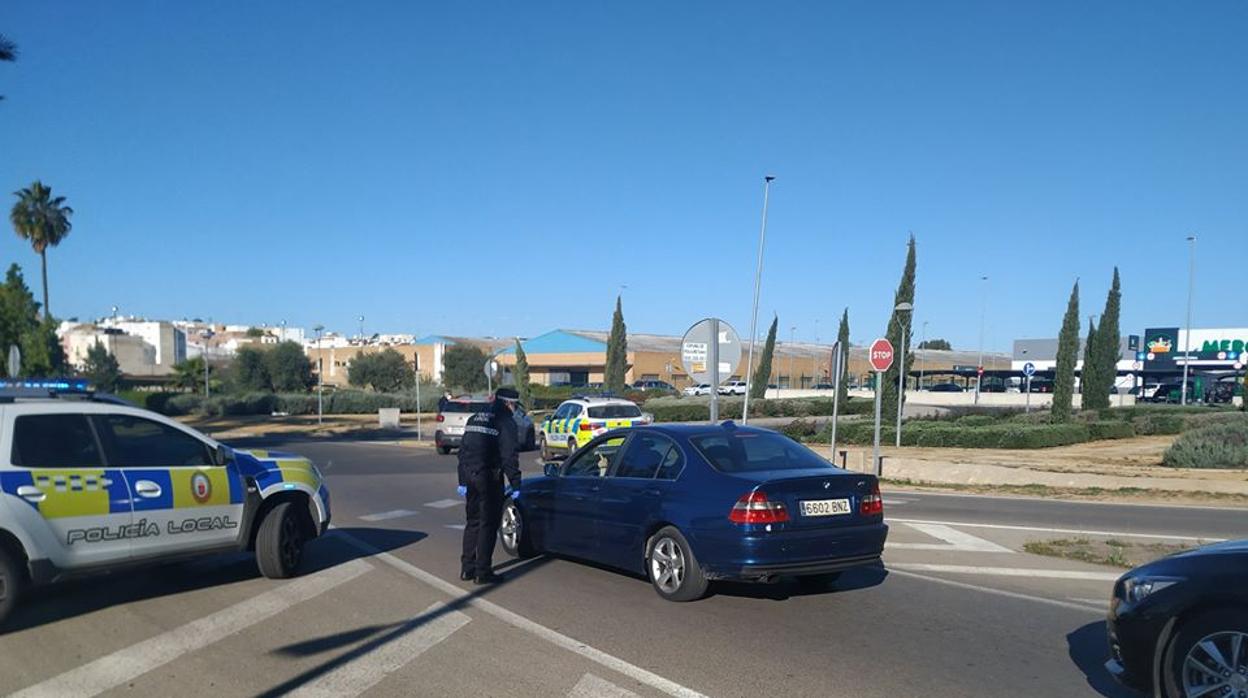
[[577, 421], [92, 485]]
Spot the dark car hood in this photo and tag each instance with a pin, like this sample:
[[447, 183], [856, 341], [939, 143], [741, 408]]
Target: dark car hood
[[1229, 557]]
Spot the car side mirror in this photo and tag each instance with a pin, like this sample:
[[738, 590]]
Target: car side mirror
[[551, 470], [223, 455]]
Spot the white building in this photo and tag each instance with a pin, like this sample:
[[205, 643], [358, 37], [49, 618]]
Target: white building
[[143, 348]]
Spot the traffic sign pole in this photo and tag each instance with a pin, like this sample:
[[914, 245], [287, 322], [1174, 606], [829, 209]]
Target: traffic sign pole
[[1028, 408], [880, 356], [1029, 370], [837, 370]]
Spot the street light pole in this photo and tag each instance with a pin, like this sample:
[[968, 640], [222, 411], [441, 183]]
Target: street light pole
[[320, 375], [1187, 344], [207, 334], [983, 314], [758, 276], [903, 311]]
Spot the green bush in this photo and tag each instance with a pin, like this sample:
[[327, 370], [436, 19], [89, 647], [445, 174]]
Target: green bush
[[976, 420], [1158, 424], [800, 429], [944, 434], [1110, 429], [689, 409], [1206, 419], [185, 403], [1215, 446]]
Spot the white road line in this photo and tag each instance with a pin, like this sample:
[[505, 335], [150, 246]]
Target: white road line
[[591, 686], [444, 503], [457, 527], [955, 541], [387, 515], [1072, 531], [366, 671], [1000, 592], [896, 502], [556, 638], [1090, 602], [113, 670], [1007, 571]]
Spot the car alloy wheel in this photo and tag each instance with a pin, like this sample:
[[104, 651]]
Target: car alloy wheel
[[509, 528], [1217, 666], [667, 565], [292, 543]]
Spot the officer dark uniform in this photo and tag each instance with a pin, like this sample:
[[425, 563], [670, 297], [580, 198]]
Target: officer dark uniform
[[487, 454]]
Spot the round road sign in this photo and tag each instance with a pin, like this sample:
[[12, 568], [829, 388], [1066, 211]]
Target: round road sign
[[695, 354], [1029, 369], [881, 355]]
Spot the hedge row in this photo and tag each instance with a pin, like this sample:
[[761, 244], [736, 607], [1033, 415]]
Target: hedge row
[[1222, 445], [936, 434], [335, 402], [699, 410]]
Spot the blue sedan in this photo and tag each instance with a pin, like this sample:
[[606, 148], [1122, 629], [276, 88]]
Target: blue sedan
[[687, 504]]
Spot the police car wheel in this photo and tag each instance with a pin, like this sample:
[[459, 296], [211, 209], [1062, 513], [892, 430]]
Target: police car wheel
[[512, 534], [279, 544], [672, 569], [10, 584], [541, 445], [571, 446]]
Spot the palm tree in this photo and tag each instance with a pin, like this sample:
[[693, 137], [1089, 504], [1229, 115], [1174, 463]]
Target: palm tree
[[8, 52], [43, 220]]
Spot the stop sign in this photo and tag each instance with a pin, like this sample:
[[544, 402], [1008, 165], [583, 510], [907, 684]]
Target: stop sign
[[881, 355]]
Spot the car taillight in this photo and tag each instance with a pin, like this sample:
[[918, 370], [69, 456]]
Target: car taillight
[[441, 418], [586, 426], [872, 504], [755, 508]]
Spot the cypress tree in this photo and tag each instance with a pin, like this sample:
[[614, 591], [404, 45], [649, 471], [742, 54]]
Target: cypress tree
[[1067, 354], [617, 351], [899, 322], [1107, 350], [521, 374], [842, 338], [762, 374], [1088, 379]]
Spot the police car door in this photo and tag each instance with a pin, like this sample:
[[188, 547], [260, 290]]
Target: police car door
[[76, 511], [177, 488]]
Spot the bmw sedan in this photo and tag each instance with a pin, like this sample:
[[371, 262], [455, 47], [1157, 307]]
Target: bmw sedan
[[1178, 626], [689, 504]]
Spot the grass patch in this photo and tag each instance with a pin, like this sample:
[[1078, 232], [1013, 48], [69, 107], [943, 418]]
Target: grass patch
[[1110, 552]]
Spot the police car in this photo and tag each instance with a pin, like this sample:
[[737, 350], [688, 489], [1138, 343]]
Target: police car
[[90, 485], [579, 420]]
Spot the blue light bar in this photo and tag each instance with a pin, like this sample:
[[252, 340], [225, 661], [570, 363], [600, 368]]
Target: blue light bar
[[45, 385]]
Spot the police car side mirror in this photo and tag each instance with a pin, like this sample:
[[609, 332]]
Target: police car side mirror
[[223, 455], [552, 470]]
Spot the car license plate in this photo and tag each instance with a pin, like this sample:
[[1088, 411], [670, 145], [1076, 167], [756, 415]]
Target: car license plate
[[825, 507]]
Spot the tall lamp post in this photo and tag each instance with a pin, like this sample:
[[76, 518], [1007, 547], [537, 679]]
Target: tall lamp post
[[758, 276], [903, 313], [207, 334], [792, 354], [983, 314], [1187, 344], [320, 375]]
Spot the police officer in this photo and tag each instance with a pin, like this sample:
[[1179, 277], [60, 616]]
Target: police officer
[[487, 454]]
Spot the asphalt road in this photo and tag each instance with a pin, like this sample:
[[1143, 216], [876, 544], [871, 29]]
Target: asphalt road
[[958, 611]]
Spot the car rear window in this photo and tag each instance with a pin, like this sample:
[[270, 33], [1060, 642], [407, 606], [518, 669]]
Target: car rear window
[[614, 411], [743, 452], [453, 406]]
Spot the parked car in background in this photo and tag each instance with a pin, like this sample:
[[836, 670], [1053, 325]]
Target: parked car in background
[[992, 386], [654, 386], [1178, 626], [453, 416], [1041, 385], [946, 388], [733, 388], [699, 389]]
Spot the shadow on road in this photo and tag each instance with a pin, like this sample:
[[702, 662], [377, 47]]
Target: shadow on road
[[1088, 650], [84, 595], [371, 638], [788, 587]]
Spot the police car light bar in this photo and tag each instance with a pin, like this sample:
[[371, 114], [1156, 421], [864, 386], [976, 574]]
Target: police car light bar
[[42, 387]]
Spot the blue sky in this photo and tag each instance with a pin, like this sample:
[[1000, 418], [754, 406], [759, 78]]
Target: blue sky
[[504, 168]]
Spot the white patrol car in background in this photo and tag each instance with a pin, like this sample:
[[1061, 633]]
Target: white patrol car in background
[[92, 485], [579, 420]]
